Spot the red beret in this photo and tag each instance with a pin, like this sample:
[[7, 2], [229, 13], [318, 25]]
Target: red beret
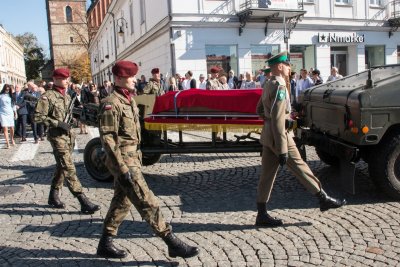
[[125, 69], [155, 71], [61, 73], [215, 69]]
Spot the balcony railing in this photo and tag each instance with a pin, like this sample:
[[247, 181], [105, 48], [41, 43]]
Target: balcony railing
[[288, 4], [394, 8]]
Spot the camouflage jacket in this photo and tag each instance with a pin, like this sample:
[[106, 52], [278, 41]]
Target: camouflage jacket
[[153, 87], [213, 84], [119, 128], [51, 108]]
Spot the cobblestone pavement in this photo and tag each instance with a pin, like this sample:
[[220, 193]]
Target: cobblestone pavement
[[210, 201]]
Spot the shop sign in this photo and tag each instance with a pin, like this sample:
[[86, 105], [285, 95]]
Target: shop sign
[[331, 37]]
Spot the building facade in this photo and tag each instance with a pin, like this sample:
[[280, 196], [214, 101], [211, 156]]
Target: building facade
[[195, 35], [12, 64], [68, 33]]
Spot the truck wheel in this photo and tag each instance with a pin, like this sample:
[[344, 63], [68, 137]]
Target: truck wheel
[[150, 159], [327, 158], [94, 157], [384, 167]]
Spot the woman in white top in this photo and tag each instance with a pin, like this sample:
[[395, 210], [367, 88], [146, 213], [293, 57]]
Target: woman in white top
[[8, 113]]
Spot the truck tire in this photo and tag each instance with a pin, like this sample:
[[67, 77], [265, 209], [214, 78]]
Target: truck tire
[[384, 167], [327, 158], [93, 157], [150, 159]]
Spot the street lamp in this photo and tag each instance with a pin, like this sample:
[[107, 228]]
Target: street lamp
[[120, 22]]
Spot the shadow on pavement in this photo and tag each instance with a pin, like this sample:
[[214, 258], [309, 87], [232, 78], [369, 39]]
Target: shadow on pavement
[[137, 229], [62, 257]]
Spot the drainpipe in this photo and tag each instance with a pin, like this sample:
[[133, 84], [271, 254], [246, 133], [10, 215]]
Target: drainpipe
[[171, 36]]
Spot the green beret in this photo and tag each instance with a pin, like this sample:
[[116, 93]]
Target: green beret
[[282, 57]]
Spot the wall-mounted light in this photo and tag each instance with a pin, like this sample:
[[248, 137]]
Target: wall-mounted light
[[107, 56], [121, 22], [178, 33]]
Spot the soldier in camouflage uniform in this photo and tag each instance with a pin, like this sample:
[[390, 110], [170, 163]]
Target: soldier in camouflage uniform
[[214, 83], [279, 147], [155, 86], [120, 135], [51, 110]]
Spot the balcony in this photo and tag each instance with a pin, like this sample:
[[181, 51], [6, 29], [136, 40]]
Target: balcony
[[265, 11], [394, 17]]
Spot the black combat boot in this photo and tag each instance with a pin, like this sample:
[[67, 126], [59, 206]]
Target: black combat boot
[[264, 219], [54, 199], [326, 202], [177, 248], [107, 249], [87, 206]]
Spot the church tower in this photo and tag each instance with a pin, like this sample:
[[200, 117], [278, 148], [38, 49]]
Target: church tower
[[68, 34]]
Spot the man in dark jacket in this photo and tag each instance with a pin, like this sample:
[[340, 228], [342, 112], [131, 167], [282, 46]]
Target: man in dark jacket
[[22, 111]]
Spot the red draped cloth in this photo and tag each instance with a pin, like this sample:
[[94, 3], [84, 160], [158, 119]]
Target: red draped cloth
[[244, 101]]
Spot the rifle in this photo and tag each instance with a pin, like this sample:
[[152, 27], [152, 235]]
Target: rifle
[[69, 113]]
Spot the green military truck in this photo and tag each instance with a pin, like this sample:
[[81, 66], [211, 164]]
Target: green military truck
[[356, 118]]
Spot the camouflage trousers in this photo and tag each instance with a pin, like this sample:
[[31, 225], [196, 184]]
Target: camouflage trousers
[[63, 145], [137, 193]]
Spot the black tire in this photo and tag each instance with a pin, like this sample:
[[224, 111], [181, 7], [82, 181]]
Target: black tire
[[384, 166], [327, 158], [93, 158], [150, 159]]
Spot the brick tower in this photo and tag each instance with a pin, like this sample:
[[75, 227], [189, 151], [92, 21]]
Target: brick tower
[[68, 34]]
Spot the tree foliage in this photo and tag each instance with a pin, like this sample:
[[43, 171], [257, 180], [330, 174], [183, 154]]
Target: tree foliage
[[34, 56]]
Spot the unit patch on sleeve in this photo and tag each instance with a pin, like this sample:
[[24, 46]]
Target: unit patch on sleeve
[[281, 93]]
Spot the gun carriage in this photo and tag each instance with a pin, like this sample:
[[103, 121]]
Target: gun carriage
[[216, 112]]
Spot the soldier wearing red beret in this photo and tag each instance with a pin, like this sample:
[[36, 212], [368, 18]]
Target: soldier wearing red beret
[[51, 110], [155, 86], [120, 134], [213, 83]]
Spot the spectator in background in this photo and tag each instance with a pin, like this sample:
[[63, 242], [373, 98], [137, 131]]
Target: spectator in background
[[141, 85], [260, 78], [49, 85], [190, 82], [94, 96], [293, 88], [178, 79], [172, 84], [22, 112], [78, 103], [267, 75], [223, 81], [105, 89], [232, 80], [202, 82], [316, 77], [240, 81], [248, 83], [32, 96], [334, 75], [8, 113], [303, 83]]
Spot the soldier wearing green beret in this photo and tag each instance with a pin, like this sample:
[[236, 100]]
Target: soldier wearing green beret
[[279, 147]]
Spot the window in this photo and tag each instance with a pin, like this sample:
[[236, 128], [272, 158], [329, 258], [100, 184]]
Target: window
[[302, 56], [376, 2], [224, 56], [308, 1], [68, 14], [374, 55], [260, 54], [71, 39], [142, 12], [131, 16], [343, 2]]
